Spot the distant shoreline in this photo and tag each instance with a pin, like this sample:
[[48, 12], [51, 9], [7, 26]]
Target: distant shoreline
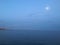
[[1, 28]]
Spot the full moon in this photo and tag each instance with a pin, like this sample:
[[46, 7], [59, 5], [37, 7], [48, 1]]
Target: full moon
[[47, 8]]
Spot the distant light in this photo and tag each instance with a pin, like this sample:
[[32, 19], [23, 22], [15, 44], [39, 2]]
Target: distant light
[[47, 8]]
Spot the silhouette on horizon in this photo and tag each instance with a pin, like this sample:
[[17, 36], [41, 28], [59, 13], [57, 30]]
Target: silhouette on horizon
[[2, 28]]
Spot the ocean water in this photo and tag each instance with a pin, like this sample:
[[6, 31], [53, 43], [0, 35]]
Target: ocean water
[[29, 37]]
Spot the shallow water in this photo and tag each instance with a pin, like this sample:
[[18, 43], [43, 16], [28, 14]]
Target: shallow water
[[29, 37]]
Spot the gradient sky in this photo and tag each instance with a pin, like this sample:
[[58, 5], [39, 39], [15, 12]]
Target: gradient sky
[[30, 14]]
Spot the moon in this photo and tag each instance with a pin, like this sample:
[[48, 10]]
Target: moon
[[47, 8]]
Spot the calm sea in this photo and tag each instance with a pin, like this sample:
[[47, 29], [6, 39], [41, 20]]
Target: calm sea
[[29, 37]]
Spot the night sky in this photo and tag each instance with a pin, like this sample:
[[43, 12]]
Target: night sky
[[30, 22], [30, 14]]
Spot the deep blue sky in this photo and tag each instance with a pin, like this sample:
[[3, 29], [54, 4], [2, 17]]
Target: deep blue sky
[[30, 14]]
